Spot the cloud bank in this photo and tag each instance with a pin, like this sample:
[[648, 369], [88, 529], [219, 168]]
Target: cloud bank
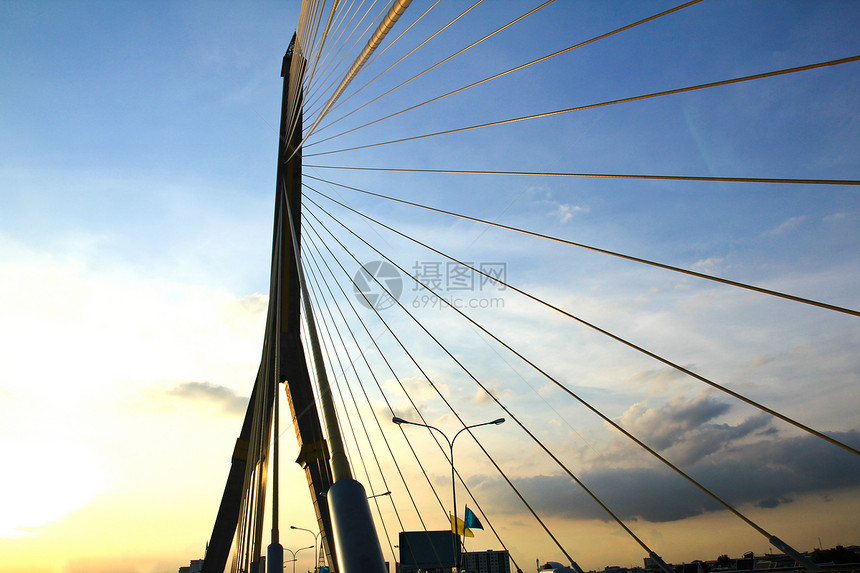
[[749, 462], [210, 394]]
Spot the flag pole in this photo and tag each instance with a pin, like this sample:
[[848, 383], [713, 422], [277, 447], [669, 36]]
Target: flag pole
[[464, 529]]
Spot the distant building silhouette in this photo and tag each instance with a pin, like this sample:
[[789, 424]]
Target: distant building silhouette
[[195, 567], [486, 561], [838, 559]]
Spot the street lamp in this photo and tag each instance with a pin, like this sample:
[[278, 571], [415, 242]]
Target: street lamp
[[316, 543], [294, 553], [497, 421]]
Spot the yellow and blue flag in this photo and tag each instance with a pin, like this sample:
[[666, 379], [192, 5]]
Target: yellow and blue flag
[[460, 527]]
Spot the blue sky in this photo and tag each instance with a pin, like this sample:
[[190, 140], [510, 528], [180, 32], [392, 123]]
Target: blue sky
[[103, 104], [137, 168]]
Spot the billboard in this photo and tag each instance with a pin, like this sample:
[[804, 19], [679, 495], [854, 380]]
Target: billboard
[[427, 549]]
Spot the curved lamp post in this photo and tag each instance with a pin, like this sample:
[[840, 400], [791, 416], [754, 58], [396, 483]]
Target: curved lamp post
[[497, 421], [296, 552], [315, 545]]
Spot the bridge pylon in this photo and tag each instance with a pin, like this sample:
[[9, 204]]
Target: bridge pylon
[[283, 362]]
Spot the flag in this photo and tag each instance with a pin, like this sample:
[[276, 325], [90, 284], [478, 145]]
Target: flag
[[460, 528], [471, 520]]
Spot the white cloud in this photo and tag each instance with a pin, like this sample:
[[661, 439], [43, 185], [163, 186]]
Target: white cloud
[[659, 380], [566, 211], [787, 227], [708, 266], [542, 189], [841, 216]]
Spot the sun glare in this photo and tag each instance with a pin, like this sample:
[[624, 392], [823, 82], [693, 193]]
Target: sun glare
[[44, 482]]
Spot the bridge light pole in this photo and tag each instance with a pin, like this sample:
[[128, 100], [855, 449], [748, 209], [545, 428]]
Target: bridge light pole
[[497, 421], [294, 553], [315, 545]]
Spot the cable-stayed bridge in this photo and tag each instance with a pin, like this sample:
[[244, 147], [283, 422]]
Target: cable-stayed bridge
[[442, 260]]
